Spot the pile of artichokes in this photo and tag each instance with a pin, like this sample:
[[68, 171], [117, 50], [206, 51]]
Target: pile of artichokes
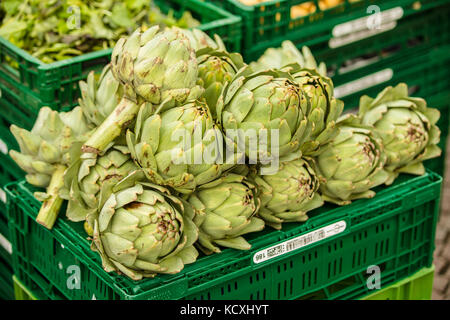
[[180, 146]]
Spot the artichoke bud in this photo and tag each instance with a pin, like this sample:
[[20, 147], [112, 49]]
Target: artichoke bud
[[143, 230], [216, 67], [287, 54], [178, 147], [288, 193], [259, 103], [87, 177], [352, 164], [406, 126], [156, 64], [225, 210]]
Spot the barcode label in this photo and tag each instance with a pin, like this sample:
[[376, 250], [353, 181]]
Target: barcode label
[[3, 147], [299, 242], [363, 83]]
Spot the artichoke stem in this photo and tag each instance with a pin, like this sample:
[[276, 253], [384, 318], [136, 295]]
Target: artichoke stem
[[111, 127], [51, 206]]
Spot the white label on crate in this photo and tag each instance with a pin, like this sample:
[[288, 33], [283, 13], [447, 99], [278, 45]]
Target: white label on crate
[[363, 83], [3, 147], [358, 64], [299, 242], [2, 195], [359, 35], [5, 244], [370, 22]]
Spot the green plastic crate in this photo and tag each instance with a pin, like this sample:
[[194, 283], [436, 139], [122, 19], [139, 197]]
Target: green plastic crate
[[442, 103], [12, 112], [395, 230], [56, 84], [269, 23], [5, 244], [21, 292], [9, 171], [411, 35], [6, 283], [416, 287], [25, 289], [423, 68], [6, 290]]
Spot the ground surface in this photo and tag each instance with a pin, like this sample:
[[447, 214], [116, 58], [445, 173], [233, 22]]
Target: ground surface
[[441, 285]]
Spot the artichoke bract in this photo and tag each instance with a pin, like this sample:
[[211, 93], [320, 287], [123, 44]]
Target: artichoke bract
[[277, 58], [91, 175], [142, 230], [263, 114], [100, 97], [215, 68], [156, 65], [199, 40], [324, 111], [288, 194], [181, 147], [48, 143], [352, 164], [406, 126], [225, 209]]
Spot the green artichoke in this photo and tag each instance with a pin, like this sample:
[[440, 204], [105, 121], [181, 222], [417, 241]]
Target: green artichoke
[[267, 108], [156, 65], [277, 58], [181, 147], [325, 108], [92, 174], [100, 97], [142, 230], [225, 210], [352, 164], [215, 68], [45, 152], [288, 194], [406, 126], [48, 143]]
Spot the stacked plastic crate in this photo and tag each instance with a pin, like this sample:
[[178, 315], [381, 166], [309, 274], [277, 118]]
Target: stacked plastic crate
[[26, 84], [330, 256]]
